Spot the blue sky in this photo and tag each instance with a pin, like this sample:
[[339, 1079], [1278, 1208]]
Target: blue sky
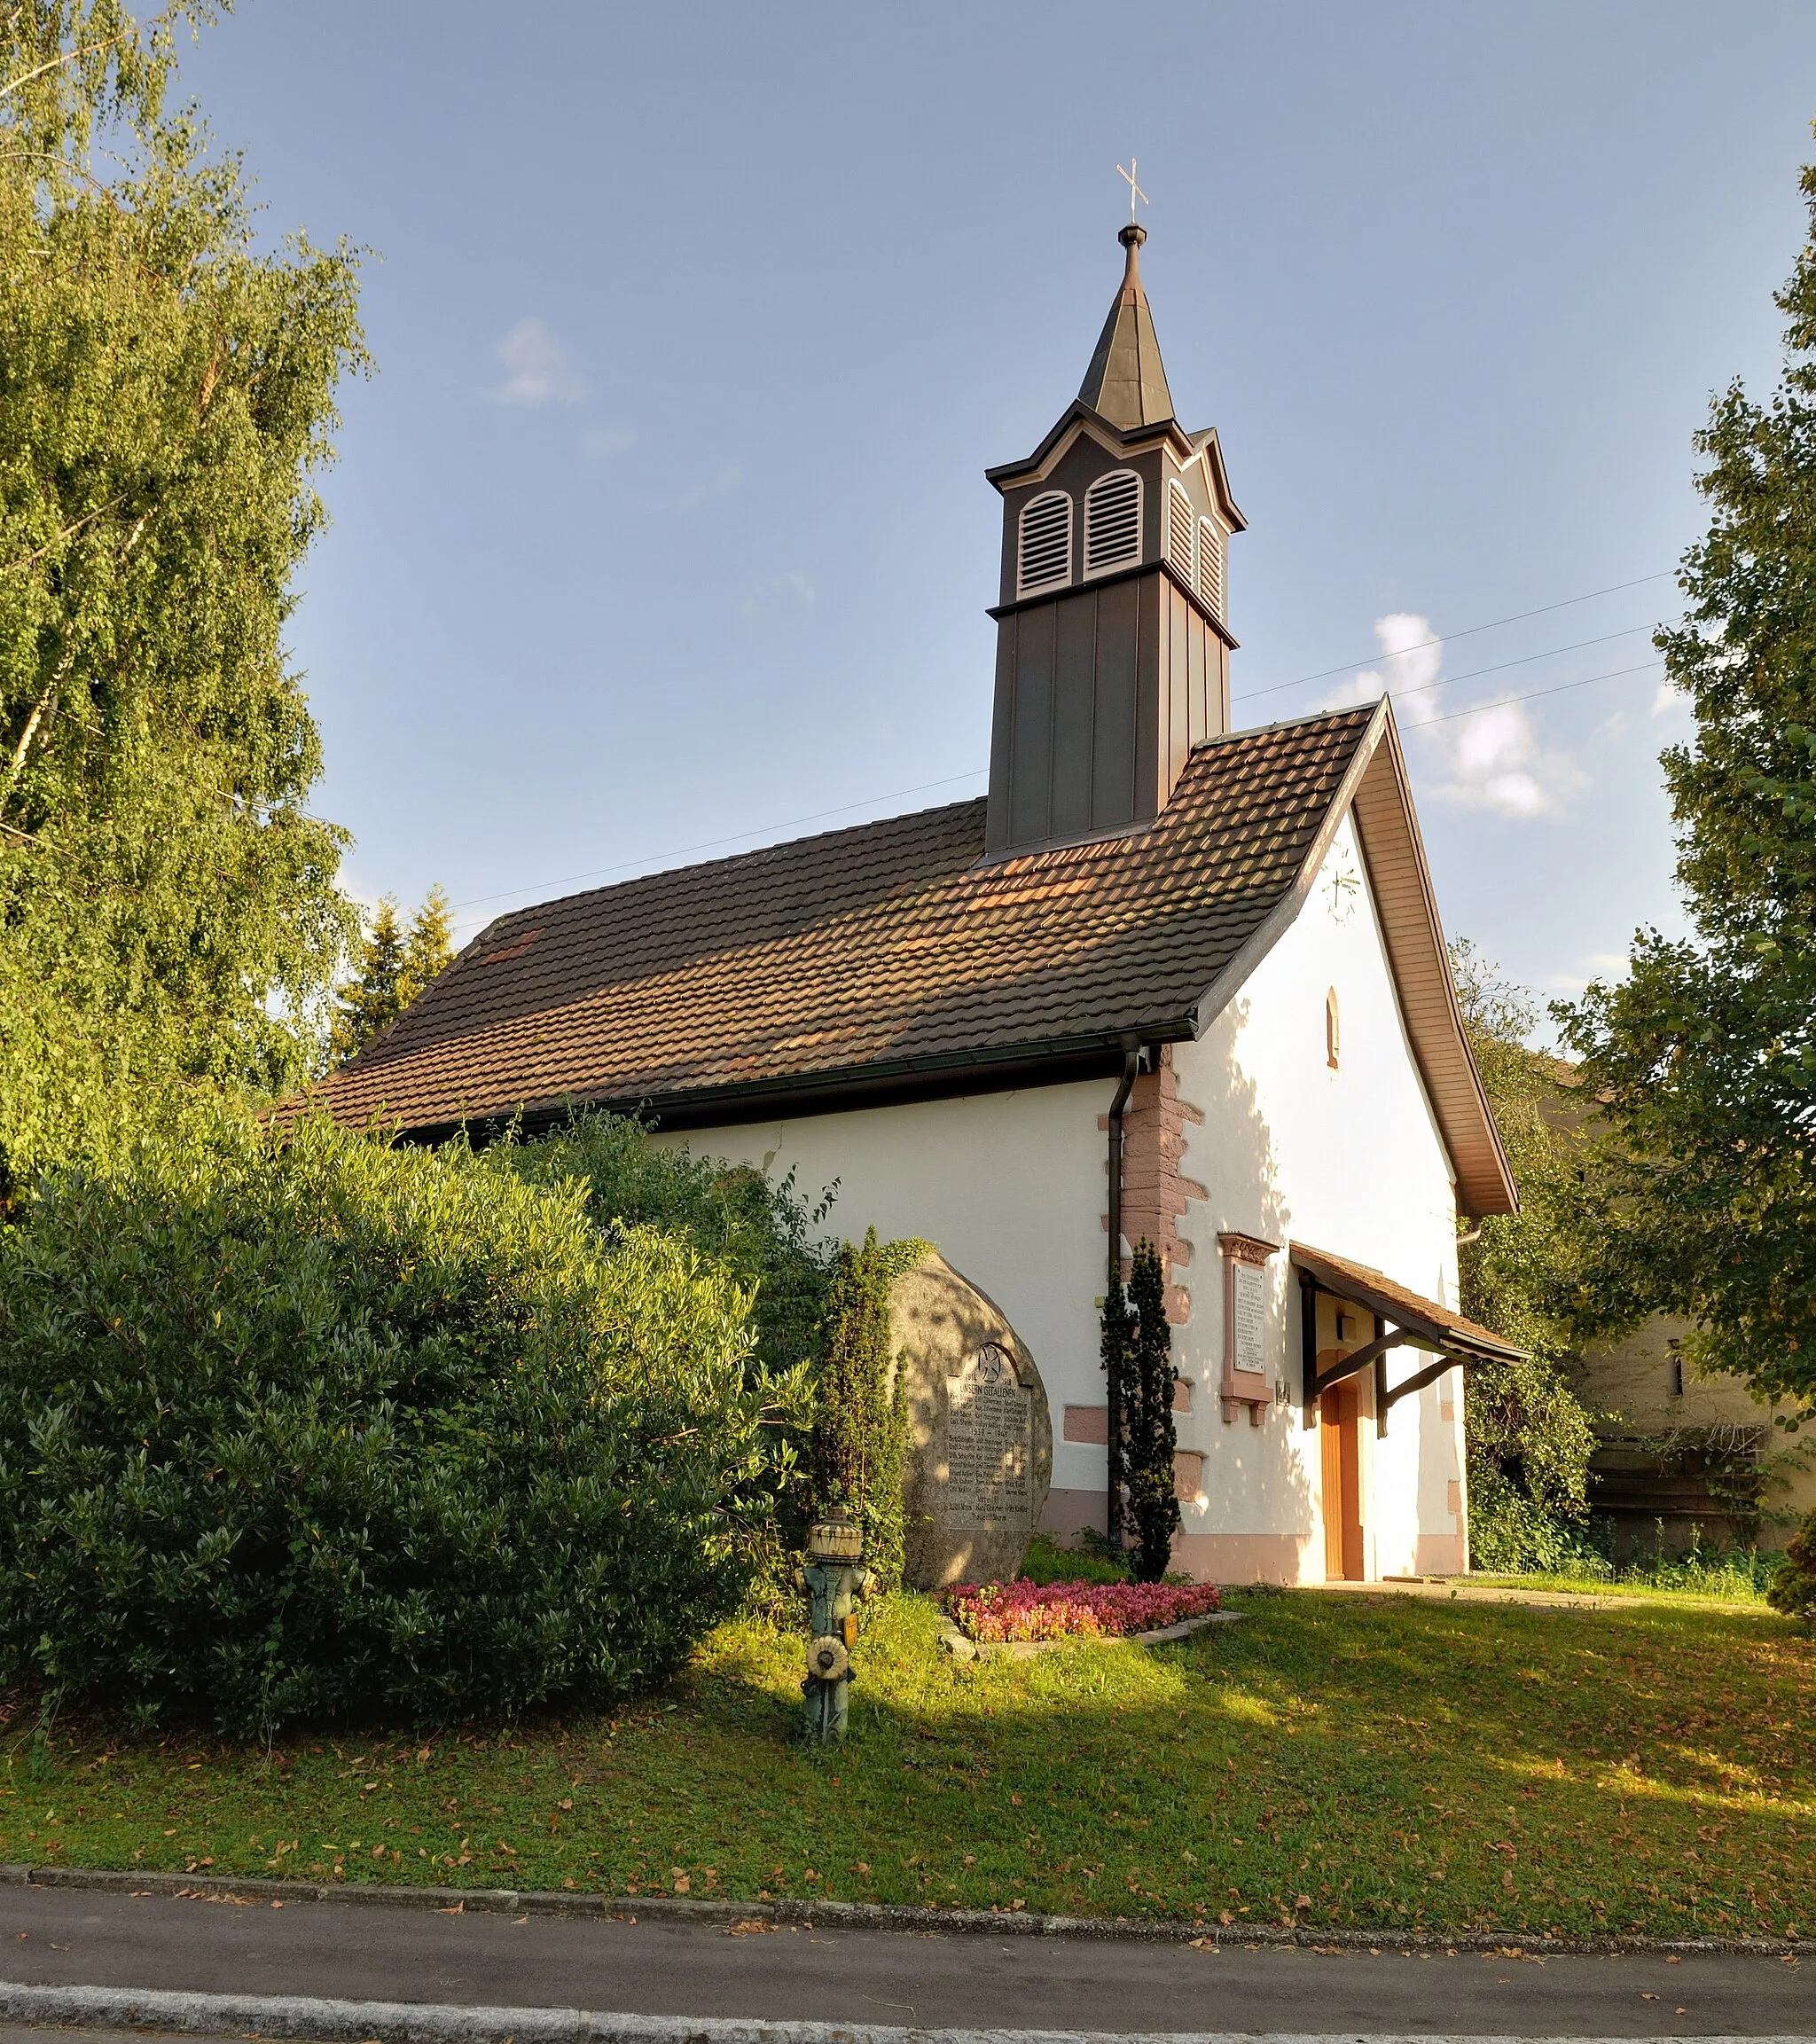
[[663, 523]]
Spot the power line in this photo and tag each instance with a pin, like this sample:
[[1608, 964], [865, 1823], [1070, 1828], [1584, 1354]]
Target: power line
[[1475, 673], [1506, 701], [1469, 631], [713, 843], [949, 780]]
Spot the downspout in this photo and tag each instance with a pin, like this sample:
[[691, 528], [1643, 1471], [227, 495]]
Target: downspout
[[1113, 1517]]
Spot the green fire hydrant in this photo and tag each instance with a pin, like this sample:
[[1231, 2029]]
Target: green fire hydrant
[[834, 1580]]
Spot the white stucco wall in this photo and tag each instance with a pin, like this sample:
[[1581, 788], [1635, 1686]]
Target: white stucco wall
[[1010, 1186], [1349, 1161]]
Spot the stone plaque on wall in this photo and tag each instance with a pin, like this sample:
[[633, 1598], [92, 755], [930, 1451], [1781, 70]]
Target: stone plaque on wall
[[980, 1454], [1248, 1317]]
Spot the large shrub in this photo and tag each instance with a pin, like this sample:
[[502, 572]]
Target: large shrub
[[757, 1228], [318, 1427], [1793, 1586]]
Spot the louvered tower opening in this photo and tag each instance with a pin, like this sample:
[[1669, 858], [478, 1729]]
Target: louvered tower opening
[[1210, 566], [1180, 527], [1113, 521], [1043, 548]]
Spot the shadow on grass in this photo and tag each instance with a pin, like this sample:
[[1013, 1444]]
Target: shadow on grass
[[1379, 1763]]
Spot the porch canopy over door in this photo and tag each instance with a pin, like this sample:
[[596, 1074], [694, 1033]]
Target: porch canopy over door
[[1402, 1320]]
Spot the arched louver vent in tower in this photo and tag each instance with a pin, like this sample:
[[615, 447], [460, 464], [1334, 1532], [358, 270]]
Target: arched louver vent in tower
[[1113, 521], [1210, 566], [1044, 543], [1180, 530]]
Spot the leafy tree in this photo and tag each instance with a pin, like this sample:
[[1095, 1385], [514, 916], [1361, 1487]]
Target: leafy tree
[[168, 909], [1529, 1438], [1702, 1061], [394, 967]]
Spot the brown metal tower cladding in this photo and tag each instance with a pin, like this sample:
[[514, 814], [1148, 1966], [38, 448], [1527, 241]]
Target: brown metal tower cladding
[[1112, 645]]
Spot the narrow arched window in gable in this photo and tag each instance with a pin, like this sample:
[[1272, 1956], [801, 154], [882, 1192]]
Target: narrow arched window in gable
[[1332, 1045], [1179, 532], [1113, 521], [1044, 543], [1210, 565]]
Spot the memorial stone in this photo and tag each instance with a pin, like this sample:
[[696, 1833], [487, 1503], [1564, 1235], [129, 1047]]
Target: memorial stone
[[979, 1435]]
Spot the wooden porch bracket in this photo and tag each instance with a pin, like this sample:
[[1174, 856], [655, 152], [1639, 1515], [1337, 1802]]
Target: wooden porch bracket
[[1417, 1382]]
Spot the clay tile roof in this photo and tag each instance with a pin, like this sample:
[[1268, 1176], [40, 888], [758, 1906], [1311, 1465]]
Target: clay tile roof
[[887, 949], [1447, 1331]]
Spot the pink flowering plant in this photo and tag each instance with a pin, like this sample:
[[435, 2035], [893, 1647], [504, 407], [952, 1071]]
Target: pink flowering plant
[[993, 1613]]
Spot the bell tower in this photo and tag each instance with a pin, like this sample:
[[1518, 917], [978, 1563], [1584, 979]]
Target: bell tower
[[1113, 649]]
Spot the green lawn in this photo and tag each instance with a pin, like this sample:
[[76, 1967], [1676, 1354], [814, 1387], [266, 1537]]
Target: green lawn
[[1333, 1761]]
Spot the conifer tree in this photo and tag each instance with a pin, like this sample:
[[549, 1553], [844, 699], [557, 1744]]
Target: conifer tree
[[429, 950], [393, 968], [369, 1002], [169, 910], [1702, 1061], [1153, 1433]]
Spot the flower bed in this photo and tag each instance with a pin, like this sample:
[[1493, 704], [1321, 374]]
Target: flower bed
[[993, 1613]]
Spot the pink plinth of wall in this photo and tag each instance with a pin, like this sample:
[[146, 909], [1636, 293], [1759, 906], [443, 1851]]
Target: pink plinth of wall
[[1285, 1558], [1441, 1554]]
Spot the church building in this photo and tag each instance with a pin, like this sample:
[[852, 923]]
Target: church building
[[1167, 981]]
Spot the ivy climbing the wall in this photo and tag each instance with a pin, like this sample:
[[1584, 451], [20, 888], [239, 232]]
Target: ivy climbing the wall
[[860, 1432]]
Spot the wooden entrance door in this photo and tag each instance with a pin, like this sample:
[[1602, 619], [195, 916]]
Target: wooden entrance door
[[1341, 1448]]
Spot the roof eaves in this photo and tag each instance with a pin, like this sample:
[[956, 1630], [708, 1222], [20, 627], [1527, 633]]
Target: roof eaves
[[1446, 1331], [826, 1090], [1387, 828], [1127, 440]]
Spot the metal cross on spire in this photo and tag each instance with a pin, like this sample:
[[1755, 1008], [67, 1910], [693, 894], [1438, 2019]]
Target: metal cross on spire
[[1135, 191]]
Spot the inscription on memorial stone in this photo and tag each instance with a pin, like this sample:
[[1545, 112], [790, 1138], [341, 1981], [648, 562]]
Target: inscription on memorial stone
[[980, 1454], [989, 1447]]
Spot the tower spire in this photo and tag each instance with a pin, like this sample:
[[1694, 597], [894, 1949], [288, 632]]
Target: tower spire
[[1125, 381]]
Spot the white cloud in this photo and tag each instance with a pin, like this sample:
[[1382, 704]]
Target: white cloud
[[792, 588], [1489, 758], [537, 368], [1668, 699], [1494, 761], [1412, 656], [1598, 965], [603, 442], [710, 488]]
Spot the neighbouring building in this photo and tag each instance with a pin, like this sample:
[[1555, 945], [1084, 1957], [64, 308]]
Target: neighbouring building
[[1189, 978], [1683, 1460]]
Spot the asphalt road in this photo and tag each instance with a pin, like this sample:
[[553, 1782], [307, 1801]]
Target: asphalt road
[[70, 1937]]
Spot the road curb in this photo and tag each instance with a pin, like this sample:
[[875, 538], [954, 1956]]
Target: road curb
[[864, 1915], [332, 2022]]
